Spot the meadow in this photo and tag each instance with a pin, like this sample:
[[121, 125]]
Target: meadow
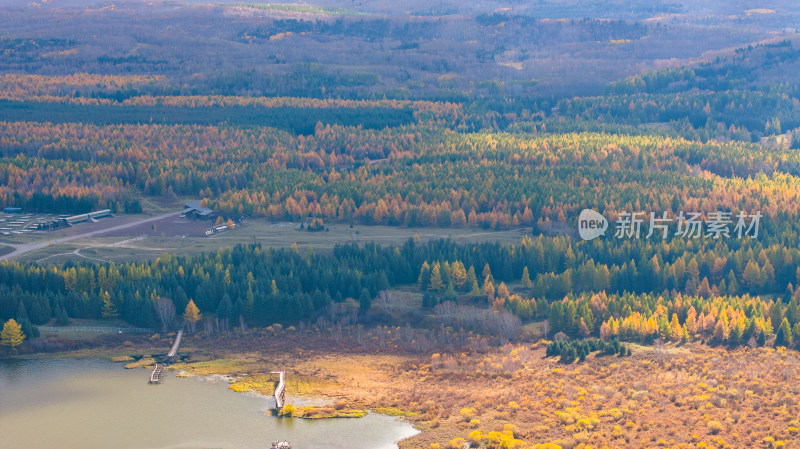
[[666, 395]]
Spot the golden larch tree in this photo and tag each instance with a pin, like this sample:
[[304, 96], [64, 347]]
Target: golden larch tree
[[12, 335], [192, 315], [109, 310]]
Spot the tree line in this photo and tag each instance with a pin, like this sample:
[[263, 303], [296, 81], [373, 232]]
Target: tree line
[[263, 285]]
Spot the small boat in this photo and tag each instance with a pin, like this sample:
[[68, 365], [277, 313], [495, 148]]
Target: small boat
[[281, 445]]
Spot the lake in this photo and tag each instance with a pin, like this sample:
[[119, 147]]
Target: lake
[[79, 403]]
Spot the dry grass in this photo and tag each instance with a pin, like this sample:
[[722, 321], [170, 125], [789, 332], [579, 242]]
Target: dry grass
[[690, 396], [144, 362]]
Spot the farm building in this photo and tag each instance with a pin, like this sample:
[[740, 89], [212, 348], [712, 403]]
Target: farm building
[[194, 211], [73, 220]]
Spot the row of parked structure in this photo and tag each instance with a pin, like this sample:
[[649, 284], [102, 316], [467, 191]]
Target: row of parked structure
[[65, 220]]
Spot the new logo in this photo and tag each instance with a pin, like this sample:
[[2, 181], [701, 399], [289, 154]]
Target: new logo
[[591, 224]]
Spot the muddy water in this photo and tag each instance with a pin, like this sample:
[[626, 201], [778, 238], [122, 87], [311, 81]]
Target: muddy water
[[84, 404]]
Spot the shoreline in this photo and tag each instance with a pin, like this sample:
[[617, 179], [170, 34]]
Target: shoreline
[[209, 395], [512, 394]]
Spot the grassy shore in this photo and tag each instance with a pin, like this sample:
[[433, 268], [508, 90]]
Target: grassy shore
[[512, 395]]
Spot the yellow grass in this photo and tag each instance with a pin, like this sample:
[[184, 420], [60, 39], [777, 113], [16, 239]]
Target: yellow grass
[[314, 412], [672, 396], [144, 362]]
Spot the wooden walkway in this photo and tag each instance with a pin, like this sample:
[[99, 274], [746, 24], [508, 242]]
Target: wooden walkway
[[174, 351], [157, 374], [159, 371], [280, 389]]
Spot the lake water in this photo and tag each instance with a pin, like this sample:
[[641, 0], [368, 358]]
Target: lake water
[[82, 404]]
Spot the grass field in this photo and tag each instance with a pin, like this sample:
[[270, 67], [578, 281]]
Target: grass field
[[179, 236]]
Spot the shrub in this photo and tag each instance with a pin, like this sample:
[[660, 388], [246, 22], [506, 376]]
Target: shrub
[[288, 409], [714, 427], [475, 437], [468, 413], [457, 443]]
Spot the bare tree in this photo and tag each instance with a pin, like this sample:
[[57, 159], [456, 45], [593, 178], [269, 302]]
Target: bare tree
[[507, 324], [445, 311], [165, 309], [208, 325], [387, 302], [384, 301], [360, 334]]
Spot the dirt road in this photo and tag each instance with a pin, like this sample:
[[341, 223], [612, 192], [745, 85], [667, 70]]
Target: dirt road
[[28, 247]]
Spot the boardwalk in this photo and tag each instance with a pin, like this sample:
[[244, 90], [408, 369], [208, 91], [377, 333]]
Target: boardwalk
[[280, 389], [157, 374], [174, 351]]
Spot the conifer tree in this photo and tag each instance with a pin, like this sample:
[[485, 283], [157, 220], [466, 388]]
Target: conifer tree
[[458, 274], [502, 290], [488, 288], [796, 333], [27, 327], [475, 291], [487, 272], [720, 332], [526, 278], [471, 277], [436, 278], [109, 310], [583, 329], [12, 335], [732, 284], [364, 301], [192, 315], [423, 280], [784, 335]]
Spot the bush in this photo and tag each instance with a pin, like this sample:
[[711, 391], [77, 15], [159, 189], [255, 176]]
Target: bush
[[288, 409], [714, 427], [457, 443], [468, 413]]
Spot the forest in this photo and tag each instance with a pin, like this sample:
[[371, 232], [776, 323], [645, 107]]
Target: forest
[[81, 142], [472, 120], [295, 120], [714, 294]]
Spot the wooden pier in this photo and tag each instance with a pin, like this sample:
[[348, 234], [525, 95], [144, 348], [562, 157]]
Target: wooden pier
[[174, 351], [159, 370], [280, 389], [157, 374]]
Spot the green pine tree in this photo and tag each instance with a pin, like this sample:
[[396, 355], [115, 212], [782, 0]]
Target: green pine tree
[[475, 291], [364, 301], [784, 335]]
